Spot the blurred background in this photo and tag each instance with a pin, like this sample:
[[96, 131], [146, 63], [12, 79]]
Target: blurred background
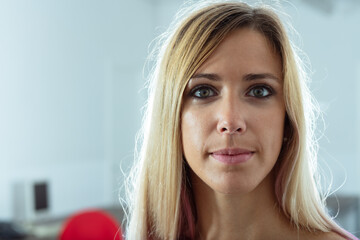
[[71, 80]]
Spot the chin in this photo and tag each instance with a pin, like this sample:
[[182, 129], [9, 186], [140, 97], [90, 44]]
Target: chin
[[235, 186]]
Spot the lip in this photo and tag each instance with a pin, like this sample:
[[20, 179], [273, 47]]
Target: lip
[[232, 155]]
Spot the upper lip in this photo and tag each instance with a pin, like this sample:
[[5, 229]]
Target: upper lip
[[232, 151]]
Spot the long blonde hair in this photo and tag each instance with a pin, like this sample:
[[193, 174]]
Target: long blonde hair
[[160, 203]]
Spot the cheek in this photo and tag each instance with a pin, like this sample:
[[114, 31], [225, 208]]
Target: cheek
[[273, 130], [193, 134]]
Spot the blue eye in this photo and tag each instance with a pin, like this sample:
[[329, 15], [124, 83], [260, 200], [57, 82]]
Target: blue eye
[[260, 92], [202, 92]]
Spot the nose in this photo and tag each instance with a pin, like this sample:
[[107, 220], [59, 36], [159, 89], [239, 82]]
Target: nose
[[231, 117]]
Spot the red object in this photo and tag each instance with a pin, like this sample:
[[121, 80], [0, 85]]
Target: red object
[[91, 225]]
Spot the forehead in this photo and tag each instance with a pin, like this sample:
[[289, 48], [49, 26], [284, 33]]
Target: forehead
[[244, 49]]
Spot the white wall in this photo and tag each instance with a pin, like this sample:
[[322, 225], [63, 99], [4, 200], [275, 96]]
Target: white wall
[[70, 72], [331, 40]]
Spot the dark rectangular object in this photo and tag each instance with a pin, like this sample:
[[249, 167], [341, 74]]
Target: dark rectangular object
[[41, 196]]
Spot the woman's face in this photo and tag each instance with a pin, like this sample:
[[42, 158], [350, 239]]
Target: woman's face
[[233, 114]]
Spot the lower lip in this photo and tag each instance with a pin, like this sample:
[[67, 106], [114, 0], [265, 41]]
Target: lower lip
[[232, 159]]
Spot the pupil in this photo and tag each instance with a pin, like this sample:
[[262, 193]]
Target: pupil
[[258, 92], [204, 93]]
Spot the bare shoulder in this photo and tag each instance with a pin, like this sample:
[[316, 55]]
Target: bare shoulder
[[319, 236], [305, 235], [329, 236]]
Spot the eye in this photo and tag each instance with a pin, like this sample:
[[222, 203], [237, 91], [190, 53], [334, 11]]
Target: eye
[[260, 91], [202, 92]]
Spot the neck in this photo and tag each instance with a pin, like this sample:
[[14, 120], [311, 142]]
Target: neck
[[228, 216]]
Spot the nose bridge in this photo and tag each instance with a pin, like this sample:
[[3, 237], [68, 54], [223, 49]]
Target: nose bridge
[[232, 113], [229, 105]]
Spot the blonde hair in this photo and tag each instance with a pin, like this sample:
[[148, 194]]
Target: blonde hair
[[160, 203]]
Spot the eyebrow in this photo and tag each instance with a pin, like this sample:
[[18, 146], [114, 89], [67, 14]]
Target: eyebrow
[[247, 77], [210, 76], [258, 76]]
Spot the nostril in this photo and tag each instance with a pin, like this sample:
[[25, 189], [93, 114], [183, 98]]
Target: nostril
[[228, 130], [225, 127]]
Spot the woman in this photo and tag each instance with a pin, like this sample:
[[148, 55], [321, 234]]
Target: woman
[[227, 145]]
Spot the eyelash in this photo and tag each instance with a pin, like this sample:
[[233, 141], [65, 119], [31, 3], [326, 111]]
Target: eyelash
[[248, 93]]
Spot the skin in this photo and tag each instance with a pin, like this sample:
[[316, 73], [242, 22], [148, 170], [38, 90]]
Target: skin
[[235, 101]]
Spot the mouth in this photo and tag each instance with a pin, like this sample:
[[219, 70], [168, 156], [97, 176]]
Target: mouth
[[232, 155]]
